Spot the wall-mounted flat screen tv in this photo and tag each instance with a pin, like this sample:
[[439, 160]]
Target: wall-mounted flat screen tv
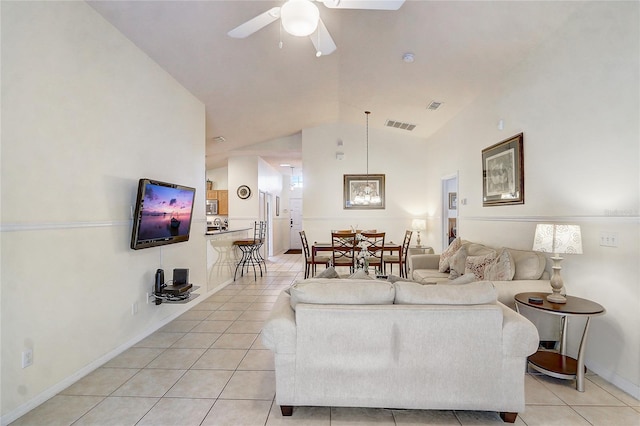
[[162, 215]]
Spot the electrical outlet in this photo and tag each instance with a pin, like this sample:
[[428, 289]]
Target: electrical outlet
[[609, 239], [27, 358], [148, 297], [134, 308]]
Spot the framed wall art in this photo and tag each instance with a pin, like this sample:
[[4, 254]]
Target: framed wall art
[[363, 192], [453, 200], [503, 173]]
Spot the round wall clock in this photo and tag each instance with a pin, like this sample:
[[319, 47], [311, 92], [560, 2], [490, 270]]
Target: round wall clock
[[244, 192]]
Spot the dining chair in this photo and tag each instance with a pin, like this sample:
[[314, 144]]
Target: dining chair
[[310, 262], [343, 247], [401, 257], [375, 247]]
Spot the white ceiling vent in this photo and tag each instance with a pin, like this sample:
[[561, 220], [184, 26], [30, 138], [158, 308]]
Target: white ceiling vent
[[434, 105], [400, 125], [219, 139]]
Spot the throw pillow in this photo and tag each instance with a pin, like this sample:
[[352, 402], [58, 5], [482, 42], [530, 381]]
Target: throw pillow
[[330, 272], [528, 265], [457, 262], [477, 264], [443, 265], [501, 269], [360, 274]]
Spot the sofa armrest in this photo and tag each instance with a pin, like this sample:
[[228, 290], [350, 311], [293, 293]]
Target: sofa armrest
[[279, 331], [424, 261], [519, 335]]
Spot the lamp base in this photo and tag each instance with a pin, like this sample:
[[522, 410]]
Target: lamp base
[[556, 298]]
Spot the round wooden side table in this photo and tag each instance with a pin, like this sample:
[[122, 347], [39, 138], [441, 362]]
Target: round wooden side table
[[558, 364]]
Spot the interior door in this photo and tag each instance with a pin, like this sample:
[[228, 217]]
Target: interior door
[[295, 222], [449, 209]]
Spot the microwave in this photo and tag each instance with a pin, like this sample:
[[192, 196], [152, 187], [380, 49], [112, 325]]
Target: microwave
[[212, 207]]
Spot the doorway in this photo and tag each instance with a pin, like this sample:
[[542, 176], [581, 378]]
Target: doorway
[[295, 223], [449, 209], [265, 215]]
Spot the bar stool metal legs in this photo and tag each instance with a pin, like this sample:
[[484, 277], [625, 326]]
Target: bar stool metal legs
[[250, 248]]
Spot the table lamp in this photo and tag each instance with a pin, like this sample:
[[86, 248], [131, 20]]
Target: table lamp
[[419, 225], [557, 239]]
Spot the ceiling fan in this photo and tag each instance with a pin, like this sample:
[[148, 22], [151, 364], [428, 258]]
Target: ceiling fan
[[302, 18]]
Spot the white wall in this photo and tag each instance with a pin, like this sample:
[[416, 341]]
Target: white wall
[[401, 158], [85, 114], [576, 100], [219, 177]]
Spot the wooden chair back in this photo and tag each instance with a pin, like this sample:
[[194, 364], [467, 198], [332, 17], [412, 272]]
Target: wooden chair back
[[343, 248]]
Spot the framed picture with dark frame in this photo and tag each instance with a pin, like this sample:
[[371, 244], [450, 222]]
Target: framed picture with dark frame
[[277, 205], [503, 173], [363, 192]]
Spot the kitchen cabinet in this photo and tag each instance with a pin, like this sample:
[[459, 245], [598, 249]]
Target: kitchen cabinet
[[222, 195], [223, 202]]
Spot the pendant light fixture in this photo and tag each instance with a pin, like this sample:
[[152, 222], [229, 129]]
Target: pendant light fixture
[[368, 195]]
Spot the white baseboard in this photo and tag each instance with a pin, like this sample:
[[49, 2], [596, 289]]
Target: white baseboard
[[68, 381], [619, 382]]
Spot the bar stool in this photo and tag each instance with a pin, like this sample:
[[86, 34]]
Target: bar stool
[[250, 248]]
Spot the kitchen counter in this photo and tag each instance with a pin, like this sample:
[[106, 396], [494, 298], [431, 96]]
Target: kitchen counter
[[226, 231], [222, 256]]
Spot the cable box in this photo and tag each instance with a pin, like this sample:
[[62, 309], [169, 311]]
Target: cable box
[[176, 290]]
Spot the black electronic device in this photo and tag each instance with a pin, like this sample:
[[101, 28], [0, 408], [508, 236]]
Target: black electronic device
[[159, 283], [536, 300], [175, 290], [180, 277], [162, 215]]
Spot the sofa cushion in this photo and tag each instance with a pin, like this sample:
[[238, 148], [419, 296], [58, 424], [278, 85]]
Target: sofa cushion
[[443, 266], [502, 268], [477, 264], [429, 276], [476, 293], [325, 291], [529, 265], [462, 279]]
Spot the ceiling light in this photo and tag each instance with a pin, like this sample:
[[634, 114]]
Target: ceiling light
[[408, 57], [285, 165], [299, 17]]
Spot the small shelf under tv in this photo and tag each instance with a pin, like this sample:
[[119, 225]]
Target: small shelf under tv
[[187, 297]]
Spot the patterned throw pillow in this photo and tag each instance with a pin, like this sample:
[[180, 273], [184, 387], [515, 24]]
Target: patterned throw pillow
[[502, 269], [457, 263], [443, 266], [477, 264]]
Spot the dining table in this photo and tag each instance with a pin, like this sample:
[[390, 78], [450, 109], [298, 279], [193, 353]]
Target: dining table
[[322, 247]]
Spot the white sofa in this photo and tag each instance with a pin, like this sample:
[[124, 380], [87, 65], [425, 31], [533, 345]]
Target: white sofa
[[511, 271], [373, 343]]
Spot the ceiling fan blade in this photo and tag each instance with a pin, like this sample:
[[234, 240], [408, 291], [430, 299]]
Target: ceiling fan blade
[[364, 4], [322, 40], [255, 24]]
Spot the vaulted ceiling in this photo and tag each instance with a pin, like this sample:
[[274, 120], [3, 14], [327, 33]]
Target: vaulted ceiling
[[259, 96]]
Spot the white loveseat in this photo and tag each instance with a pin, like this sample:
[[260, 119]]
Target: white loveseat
[[372, 343], [511, 271]]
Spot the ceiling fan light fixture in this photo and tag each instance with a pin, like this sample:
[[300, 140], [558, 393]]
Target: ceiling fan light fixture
[[299, 17]]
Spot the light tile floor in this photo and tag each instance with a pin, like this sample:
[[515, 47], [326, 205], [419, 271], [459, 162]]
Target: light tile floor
[[208, 367]]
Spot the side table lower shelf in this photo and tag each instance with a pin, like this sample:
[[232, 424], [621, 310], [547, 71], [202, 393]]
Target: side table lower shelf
[[555, 364]]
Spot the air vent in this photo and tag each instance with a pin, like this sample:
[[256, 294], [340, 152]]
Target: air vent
[[434, 105], [219, 139], [400, 125]]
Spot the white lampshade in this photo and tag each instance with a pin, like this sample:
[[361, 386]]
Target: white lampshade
[[419, 224], [557, 239], [299, 17]]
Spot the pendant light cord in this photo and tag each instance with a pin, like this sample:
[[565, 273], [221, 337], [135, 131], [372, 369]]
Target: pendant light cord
[[367, 113]]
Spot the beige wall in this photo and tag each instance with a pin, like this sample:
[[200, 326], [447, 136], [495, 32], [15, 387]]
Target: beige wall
[[576, 100], [85, 114]]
